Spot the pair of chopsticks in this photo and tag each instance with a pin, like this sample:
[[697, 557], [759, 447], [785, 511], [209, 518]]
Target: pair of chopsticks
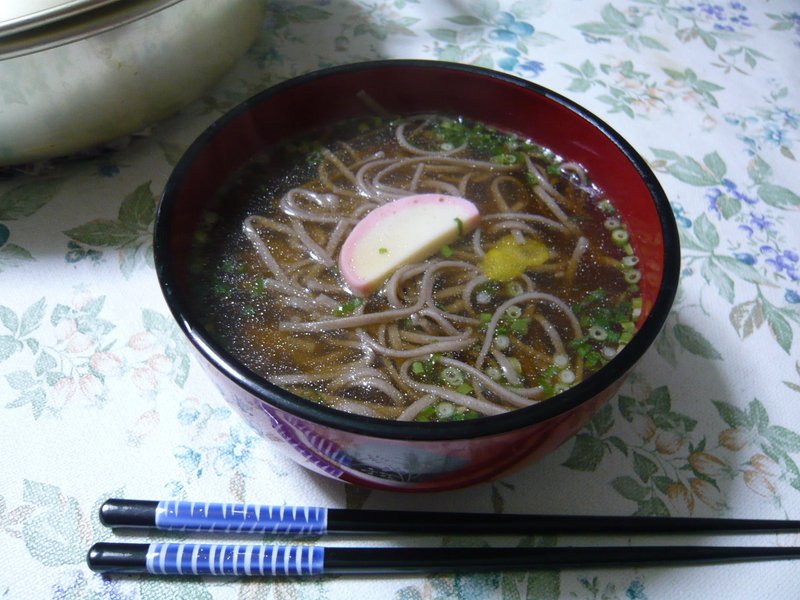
[[178, 558]]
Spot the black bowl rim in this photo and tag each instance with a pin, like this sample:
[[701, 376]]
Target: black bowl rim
[[400, 430]]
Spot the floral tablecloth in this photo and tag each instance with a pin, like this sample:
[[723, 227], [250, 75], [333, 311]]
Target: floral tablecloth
[[99, 395]]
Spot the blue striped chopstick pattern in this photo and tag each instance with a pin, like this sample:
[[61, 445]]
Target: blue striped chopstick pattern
[[170, 558], [233, 517]]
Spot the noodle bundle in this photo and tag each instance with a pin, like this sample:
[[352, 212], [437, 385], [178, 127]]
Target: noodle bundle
[[539, 296]]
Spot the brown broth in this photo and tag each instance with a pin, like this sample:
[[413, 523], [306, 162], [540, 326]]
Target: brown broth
[[250, 309]]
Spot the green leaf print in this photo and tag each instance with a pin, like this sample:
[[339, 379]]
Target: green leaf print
[[52, 534], [693, 341], [749, 316], [783, 438], [688, 170], [12, 256], [670, 470], [715, 164], [8, 346], [732, 415], [652, 507], [24, 200], [644, 467], [532, 585], [449, 36], [587, 453], [759, 170], [591, 446], [706, 232], [615, 23], [466, 20], [9, 319], [704, 88], [130, 233], [778, 196], [32, 318], [779, 327], [630, 489], [20, 328], [715, 275]]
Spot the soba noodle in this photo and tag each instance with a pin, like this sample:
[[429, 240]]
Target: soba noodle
[[533, 301]]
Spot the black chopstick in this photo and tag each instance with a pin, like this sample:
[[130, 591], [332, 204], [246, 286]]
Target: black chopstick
[[243, 560], [171, 515]]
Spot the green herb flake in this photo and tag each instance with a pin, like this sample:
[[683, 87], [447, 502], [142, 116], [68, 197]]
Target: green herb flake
[[426, 414], [520, 326], [348, 307], [446, 251], [383, 250], [459, 226]]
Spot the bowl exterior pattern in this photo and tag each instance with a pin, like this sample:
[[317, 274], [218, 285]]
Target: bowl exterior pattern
[[404, 465]]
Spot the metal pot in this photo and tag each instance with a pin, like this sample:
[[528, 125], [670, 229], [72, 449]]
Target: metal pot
[[76, 73]]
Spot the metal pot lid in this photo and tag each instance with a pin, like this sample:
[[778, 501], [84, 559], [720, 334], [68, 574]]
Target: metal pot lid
[[20, 15], [44, 24]]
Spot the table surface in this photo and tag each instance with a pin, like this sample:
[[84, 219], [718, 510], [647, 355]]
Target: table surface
[[101, 397]]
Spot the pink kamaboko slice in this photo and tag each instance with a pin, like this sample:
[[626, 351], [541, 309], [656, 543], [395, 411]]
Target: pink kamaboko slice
[[400, 232]]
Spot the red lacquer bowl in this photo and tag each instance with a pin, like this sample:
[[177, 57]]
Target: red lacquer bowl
[[410, 456]]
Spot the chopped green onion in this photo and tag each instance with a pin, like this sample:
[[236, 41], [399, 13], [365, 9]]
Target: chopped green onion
[[465, 389], [592, 358], [620, 236], [493, 373], [633, 276], [554, 170], [452, 376], [521, 326], [348, 307], [459, 226], [628, 329], [611, 223], [501, 342], [630, 261], [417, 368], [606, 206], [426, 414], [514, 312], [514, 288], [446, 251], [465, 414], [445, 410], [636, 311], [598, 333], [505, 159], [485, 317]]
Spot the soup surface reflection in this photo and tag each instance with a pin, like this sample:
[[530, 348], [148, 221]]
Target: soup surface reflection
[[538, 297]]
